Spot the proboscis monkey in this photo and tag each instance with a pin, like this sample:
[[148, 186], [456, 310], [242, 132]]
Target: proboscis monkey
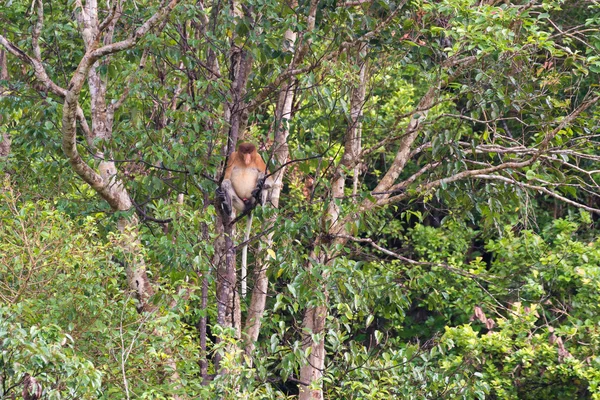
[[244, 180], [243, 185]]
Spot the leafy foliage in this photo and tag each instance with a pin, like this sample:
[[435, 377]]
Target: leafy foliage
[[473, 274]]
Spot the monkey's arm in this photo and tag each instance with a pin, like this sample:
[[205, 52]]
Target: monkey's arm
[[260, 164], [230, 165]]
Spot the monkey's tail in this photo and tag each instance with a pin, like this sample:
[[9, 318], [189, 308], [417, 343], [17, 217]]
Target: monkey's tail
[[244, 271]]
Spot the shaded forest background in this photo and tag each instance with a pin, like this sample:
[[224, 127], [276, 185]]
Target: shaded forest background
[[433, 224]]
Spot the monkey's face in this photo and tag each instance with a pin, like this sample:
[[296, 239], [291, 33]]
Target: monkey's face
[[246, 153]]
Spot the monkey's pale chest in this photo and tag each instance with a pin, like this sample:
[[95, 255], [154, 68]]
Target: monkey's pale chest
[[243, 181]]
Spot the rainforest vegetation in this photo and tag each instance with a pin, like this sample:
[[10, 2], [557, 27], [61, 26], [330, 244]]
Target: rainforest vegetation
[[431, 227]]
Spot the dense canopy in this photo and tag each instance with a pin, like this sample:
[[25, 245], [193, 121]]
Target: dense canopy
[[433, 214]]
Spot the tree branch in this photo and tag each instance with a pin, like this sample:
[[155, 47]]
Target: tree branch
[[113, 16], [400, 257], [69, 142], [538, 188], [140, 32], [484, 171], [38, 67], [292, 70], [37, 30], [414, 126]]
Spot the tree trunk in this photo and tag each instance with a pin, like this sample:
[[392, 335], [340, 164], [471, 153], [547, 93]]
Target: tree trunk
[[114, 191], [283, 115], [311, 372], [258, 301], [4, 139], [228, 307]]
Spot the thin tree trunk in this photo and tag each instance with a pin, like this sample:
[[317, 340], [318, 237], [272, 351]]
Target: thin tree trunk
[[357, 103], [312, 370], [283, 114], [4, 139], [228, 306], [4, 145], [258, 300], [314, 318], [3, 66], [203, 331]]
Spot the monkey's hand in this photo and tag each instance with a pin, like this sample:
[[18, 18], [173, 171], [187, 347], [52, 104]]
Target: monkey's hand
[[257, 192], [225, 200]]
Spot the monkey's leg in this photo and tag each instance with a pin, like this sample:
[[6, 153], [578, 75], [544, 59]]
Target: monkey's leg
[[225, 200], [229, 198], [257, 192]]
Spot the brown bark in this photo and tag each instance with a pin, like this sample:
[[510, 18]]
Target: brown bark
[[228, 306], [314, 318], [3, 66], [5, 138], [283, 115], [4, 145]]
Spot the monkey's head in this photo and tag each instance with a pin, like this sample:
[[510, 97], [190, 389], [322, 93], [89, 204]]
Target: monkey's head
[[247, 151]]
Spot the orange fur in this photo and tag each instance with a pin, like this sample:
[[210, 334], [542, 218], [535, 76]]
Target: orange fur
[[237, 159], [244, 168]]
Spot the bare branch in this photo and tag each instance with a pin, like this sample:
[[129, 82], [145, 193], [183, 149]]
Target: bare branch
[[87, 132], [538, 188], [38, 68], [113, 16], [408, 260], [353, 3], [405, 183], [37, 30], [566, 121], [513, 164], [128, 43], [293, 71]]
